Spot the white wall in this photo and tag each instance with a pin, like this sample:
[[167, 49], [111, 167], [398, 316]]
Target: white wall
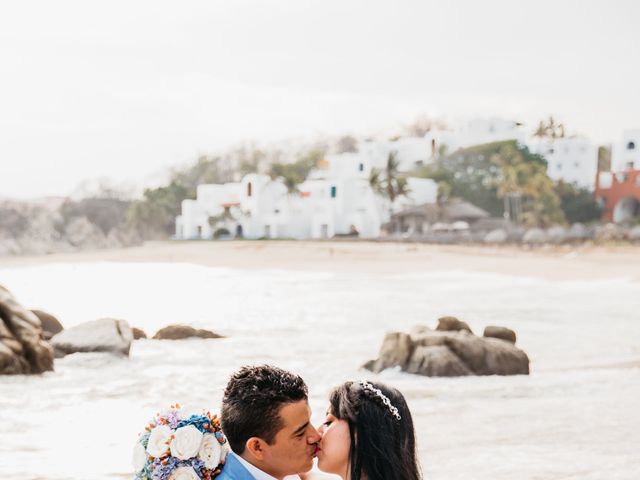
[[573, 160], [625, 153]]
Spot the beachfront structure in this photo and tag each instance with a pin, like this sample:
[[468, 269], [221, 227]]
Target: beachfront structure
[[336, 199], [618, 190], [570, 159], [619, 194], [625, 154]]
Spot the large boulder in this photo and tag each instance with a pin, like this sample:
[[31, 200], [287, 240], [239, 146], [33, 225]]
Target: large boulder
[[50, 324], [102, 335], [180, 332], [449, 353], [577, 232], [634, 234], [557, 234], [488, 356], [395, 352], [138, 333], [499, 235], [23, 349], [452, 324], [610, 232], [502, 333], [436, 361], [535, 236]]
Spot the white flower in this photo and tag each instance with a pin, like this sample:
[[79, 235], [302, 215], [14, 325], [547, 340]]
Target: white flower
[[159, 440], [139, 457], [186, 442], [210, 451], [184, 473], [225, 451]]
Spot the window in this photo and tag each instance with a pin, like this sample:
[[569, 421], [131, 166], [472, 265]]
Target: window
[[629, 165], [361, 167], [249, 188], [559, 166], [631, 146], [334, 191]]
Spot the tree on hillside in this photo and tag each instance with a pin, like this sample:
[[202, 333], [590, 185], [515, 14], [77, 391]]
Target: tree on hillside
[[491, 175], [154, 215], [206, 169], [347, 144], [293, 174], [104, 212], [578, 204], [550, 129], [422, 125]]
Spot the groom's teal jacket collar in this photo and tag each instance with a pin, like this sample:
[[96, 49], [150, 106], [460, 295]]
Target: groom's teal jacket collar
[[234, 470]]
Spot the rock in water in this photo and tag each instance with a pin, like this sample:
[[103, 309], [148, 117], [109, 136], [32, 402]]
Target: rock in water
[[437, 361], [102, 335], [450, 353], [451, 324], [138, 333], [22, 346], [50, 324], [395, 352], [502, 333], [180, 332]]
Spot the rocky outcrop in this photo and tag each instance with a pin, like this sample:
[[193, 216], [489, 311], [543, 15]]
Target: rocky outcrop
[[138, 333], [50, 324], [535, 236], [499, 235], [23, 349], [102, 335], [180, 332], [451, 353], [502, 333], [452, 324]]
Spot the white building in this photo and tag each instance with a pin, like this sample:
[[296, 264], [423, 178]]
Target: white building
[[625, 154], [573, 160], [336, 199]]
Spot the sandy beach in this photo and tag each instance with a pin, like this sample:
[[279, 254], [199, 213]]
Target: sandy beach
[[554, 263], [321, 309]]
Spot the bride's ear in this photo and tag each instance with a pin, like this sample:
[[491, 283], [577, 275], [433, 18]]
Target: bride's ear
[[255, 447]]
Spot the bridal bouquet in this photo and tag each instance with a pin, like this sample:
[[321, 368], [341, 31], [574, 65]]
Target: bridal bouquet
[[180, 445]]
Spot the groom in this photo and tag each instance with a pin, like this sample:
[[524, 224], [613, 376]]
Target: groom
[[266, 419]]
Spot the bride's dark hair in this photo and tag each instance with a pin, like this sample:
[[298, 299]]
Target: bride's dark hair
[[383, 447]]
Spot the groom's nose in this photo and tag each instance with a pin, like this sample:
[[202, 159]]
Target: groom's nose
[[313, 435]]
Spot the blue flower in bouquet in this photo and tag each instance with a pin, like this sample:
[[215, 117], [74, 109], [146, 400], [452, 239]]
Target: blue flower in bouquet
[[180, 445]]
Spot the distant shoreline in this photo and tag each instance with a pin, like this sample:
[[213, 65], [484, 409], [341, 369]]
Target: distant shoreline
[[555, 263]]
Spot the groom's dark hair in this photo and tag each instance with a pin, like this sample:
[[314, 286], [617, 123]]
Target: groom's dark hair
[[252, 402]]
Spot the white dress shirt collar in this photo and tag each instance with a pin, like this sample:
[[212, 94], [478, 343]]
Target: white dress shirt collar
[[256, 472]]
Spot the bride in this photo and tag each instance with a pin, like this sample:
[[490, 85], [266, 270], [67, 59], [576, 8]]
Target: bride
[[368, 434]]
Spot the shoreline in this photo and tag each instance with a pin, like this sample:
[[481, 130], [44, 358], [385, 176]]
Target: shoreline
[[553, 263]]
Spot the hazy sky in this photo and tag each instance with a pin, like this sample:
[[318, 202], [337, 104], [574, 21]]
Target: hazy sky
[[125, 89]]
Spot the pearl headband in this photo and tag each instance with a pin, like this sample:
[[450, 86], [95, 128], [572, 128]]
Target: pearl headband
[[385, 400]]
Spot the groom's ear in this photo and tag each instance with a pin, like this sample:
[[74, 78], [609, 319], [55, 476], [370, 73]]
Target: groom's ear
[[256, 447]]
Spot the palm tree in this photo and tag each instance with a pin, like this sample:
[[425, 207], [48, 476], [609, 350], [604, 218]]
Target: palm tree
[[389, 183], [376, 182]]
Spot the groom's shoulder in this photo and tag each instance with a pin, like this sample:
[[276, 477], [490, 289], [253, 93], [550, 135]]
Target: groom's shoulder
[[234, 470]]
